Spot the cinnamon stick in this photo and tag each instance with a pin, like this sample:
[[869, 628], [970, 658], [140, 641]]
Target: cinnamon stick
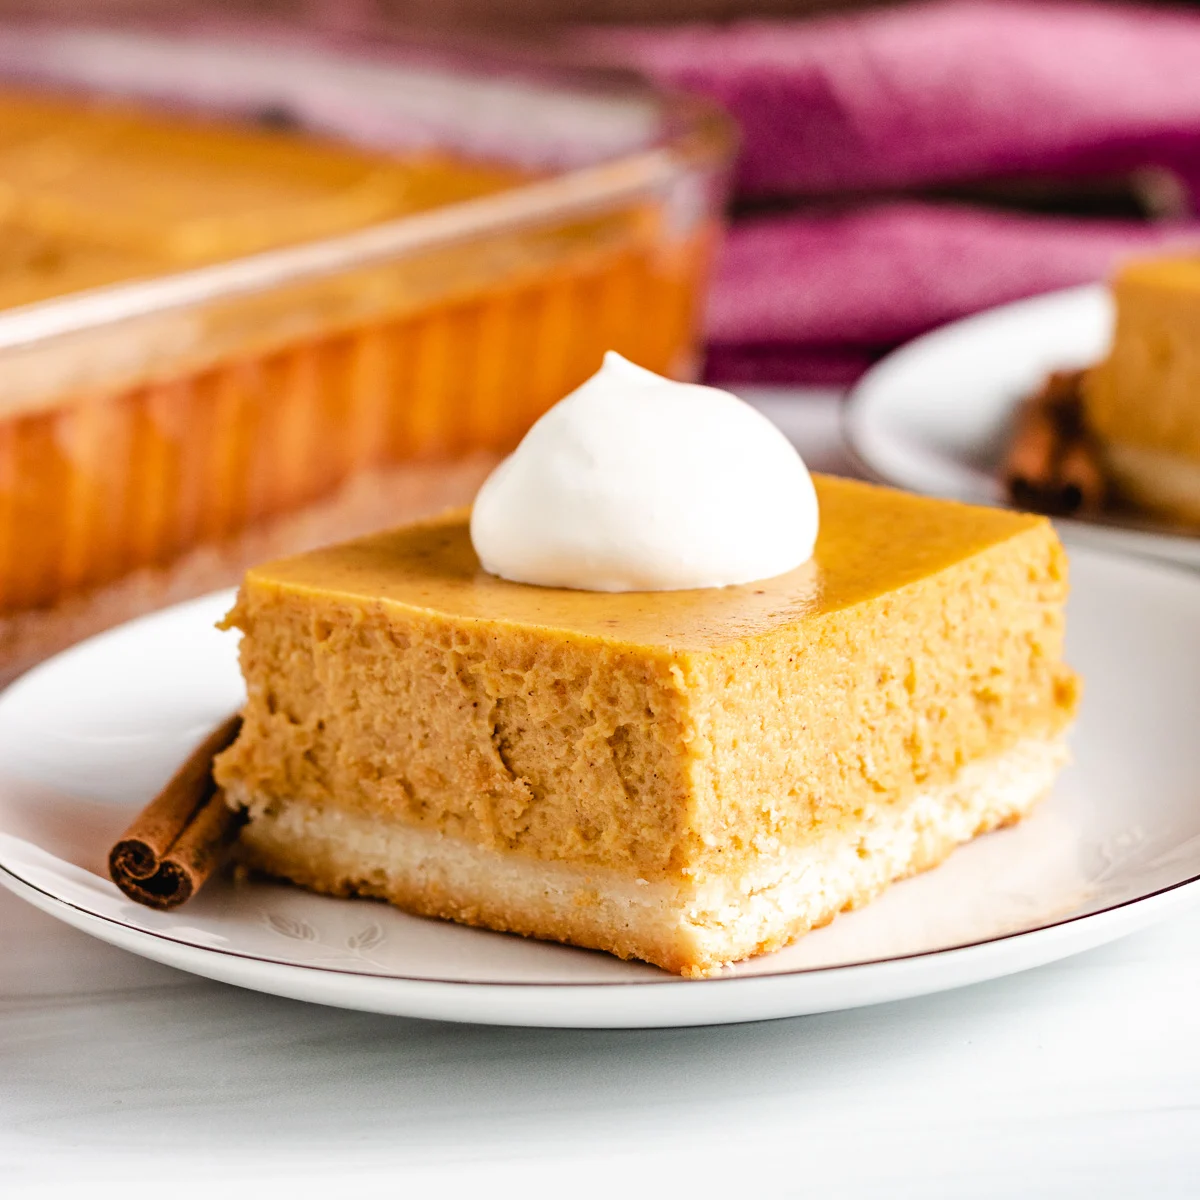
[[1053, 464], [178, 840], [1084, 487]]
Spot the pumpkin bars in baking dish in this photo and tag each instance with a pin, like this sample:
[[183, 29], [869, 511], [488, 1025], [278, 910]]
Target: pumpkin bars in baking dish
[[687, 777], [222, 340]]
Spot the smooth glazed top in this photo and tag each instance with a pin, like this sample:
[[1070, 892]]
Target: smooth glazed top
[[872, 540]]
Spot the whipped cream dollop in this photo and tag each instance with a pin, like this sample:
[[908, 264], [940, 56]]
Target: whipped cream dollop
[[634, 483]]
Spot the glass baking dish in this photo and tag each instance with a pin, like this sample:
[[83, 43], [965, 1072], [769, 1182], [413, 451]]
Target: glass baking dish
[[157, 435]]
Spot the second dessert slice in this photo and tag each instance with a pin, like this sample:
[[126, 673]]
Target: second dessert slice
[[1143, 400]]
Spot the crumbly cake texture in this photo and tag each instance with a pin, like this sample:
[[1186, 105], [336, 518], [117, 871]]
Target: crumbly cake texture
[[679, 925], [1143, 399], [688, 778]]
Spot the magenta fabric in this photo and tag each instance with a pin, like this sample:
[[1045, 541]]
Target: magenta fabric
[[896, 99], [787, 363], [815, 298], [868, 103], [940, 92]]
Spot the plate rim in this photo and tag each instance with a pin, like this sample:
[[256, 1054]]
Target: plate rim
[[599, 985], [1180, 890]]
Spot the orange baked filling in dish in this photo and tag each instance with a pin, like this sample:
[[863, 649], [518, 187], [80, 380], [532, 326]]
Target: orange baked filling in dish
[[96, 193], [684, 777], [154, 442]]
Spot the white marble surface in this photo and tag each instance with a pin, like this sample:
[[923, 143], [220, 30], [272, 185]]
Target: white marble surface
[[1078, 1079]]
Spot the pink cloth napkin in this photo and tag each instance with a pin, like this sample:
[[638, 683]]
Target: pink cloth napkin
[[914, 97], [943, 91], [812, 298]]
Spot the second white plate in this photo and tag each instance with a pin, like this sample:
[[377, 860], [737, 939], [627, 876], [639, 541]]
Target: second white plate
[[933, 416]]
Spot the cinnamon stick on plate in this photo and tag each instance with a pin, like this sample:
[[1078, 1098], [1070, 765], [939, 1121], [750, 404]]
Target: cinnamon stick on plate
[[178, 840], [1053, 464]]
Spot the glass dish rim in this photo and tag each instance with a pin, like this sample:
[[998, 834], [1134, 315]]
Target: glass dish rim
[[694, 131]]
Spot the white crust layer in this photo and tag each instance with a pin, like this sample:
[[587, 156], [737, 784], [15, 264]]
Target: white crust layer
[[691, 927], [1156, 480]]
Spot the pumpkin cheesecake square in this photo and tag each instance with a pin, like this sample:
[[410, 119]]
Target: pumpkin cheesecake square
[[688, 778]]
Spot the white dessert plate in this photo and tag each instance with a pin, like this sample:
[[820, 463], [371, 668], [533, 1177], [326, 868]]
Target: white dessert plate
[[89, 736], [934, 415]]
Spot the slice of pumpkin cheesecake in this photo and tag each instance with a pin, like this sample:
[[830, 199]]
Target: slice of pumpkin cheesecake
[[687, 777]]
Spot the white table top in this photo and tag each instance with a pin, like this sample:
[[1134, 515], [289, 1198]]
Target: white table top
[[1077, 1079]]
